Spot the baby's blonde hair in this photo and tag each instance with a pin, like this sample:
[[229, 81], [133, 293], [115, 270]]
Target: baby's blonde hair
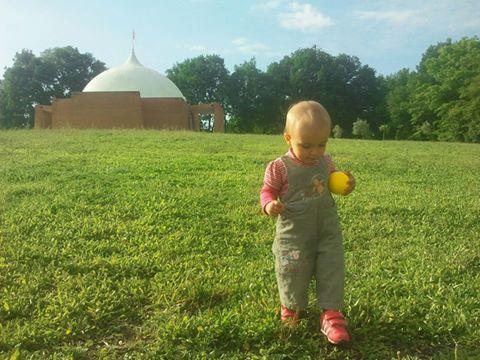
[[306, 112]]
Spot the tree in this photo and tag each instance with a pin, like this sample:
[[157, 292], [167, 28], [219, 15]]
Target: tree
[[64, 70], [2, 117], [361, 128], [253, 101], [303, 75], [202, 79], [20, 90], [424, 132], [469, 108], [383, 129], [342, 84], [344, 107], [337, 131], [368, 97], [398, 99], [38, 80], [446, 90]]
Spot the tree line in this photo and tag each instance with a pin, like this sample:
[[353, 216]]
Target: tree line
[[439, 100]]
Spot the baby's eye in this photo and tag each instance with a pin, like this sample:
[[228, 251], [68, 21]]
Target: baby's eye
[[306, 146]]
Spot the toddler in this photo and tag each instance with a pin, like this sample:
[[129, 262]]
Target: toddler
[[308, 238]]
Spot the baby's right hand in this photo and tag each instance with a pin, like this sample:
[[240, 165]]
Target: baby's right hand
[[274, 208]]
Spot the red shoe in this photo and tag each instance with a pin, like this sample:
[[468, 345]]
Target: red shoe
[[289, 317], [334, 327]]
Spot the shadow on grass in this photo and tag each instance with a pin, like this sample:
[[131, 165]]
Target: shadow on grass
[[407, 336], [379, 340], [203, 299]]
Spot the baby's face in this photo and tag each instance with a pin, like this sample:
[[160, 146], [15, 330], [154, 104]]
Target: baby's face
[[308, 141]]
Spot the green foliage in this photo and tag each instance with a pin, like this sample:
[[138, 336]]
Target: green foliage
[[446, 91], [441, 99], [468, 108], [384, 128], [32, 80], [361, 129], [65, 70], [341, 83], [110, 249], [398, 104], [337, 131], [202, 79], [424, 132], [19, 91], [438, 101], [254, 102]]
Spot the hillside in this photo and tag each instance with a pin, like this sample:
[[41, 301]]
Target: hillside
[[152, 244]]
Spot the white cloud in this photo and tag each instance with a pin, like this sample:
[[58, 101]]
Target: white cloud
[[432, 15], [246, 46], [395, 17], [304, 17], [455, 16]]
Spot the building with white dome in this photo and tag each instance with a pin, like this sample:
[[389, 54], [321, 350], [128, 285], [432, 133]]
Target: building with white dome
[[127, 96]]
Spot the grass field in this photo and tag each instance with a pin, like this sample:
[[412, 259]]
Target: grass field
[[148, 244]]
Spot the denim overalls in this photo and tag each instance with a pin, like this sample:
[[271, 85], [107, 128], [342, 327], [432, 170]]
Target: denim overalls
[[308, 239]]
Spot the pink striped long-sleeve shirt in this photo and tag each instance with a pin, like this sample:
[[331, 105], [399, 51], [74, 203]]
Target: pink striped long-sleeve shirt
[[275, 181]]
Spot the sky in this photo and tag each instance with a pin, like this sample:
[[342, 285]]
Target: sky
[[387, 35]]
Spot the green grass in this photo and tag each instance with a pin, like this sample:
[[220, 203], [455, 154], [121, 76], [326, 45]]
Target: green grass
[[150, 244]]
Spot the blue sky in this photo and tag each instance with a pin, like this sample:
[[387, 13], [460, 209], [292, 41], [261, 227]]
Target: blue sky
[[387, 35]]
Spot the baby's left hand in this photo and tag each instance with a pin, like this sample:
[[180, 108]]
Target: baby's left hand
[[351, 183]]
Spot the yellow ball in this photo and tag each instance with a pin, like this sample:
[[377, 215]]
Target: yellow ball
[[338, 182]]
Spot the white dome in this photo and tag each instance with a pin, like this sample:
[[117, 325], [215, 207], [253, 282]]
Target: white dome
[[133, 76]]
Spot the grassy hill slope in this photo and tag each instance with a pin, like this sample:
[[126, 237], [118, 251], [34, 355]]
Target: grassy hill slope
[[151, 244]]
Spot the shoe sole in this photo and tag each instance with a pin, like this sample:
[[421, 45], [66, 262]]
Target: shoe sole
[[341, 342]]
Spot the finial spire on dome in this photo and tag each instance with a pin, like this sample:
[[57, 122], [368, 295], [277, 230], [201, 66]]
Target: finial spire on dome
[[132, 59], [133, 39]]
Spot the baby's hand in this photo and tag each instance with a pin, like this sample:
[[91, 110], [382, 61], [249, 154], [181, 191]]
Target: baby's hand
[[273, 208], [351, 183]]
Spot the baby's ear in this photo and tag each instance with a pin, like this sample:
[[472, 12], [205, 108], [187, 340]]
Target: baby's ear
[[287, 137]]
